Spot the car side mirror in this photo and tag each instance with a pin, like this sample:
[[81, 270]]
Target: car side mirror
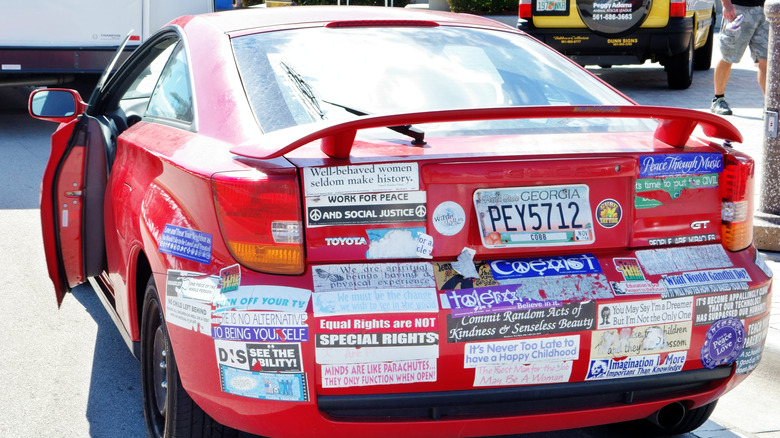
[[56, 104]]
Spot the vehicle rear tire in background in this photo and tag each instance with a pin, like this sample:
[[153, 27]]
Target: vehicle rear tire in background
[[691, 420], [679, 68], [168, 409], [622, 23], [702, 57]]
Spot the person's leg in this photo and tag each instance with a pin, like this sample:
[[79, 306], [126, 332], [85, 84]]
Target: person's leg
[[720, 79], [762, 75], [721, 76]]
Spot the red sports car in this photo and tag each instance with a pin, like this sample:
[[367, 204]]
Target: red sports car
[[335, 221]]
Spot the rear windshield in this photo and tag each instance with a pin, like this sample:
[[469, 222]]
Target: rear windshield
[[302, 76]]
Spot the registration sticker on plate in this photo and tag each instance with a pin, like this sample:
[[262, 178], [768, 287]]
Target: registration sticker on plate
[[534, 216]]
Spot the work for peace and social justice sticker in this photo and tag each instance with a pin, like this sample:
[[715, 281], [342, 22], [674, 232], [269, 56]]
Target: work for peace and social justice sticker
[[724, 342]]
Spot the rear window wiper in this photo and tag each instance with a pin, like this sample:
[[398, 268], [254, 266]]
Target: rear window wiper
[[305, 89], [310, 97]]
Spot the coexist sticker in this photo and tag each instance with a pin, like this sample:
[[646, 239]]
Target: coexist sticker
[[545, 266], [724, 342], [448, 218]]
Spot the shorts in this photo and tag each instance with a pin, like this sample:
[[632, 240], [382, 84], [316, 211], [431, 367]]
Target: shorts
[[753, 32]]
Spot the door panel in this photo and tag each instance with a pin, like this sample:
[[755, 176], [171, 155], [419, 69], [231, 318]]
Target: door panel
[[50, 213], [69, 205], [72, 210]]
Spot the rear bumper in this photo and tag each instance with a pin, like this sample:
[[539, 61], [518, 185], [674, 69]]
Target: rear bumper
[[484, 412], [457, 404], [588, 48], [525, 400]]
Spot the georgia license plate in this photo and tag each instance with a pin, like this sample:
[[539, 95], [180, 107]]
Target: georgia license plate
[[534, 216]]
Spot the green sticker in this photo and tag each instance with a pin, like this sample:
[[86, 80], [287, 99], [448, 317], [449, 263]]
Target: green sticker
[[673, 185]]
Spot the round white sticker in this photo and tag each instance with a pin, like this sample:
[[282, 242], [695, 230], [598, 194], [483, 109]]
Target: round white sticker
[[448, 218]]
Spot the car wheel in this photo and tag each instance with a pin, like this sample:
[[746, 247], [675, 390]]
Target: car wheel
[[168, 409], [691, 420], [702, 57], [679, 68]]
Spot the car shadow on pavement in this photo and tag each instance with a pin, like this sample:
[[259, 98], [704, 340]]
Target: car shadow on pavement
[[114, 403]]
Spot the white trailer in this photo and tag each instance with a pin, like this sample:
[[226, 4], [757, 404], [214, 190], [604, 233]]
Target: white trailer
[[48, 41]]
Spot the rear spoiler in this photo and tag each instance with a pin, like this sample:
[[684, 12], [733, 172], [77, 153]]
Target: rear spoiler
[[675, 126]]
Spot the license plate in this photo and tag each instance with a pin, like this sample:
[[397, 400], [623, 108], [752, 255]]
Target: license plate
[[534, 216]]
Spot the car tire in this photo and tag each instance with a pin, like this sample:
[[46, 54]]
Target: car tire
[[679, 68], [627, 23], [702, 57], [169, 412], [692, 420]]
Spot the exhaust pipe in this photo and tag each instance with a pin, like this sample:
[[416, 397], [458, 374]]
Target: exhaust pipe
[[668, 416]]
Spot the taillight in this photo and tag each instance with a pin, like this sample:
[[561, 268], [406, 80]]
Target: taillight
[[525, 9], [737, 207], [260, 217], [677, 8]]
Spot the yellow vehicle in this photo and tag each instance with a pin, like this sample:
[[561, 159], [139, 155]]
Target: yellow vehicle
[[677, 34]]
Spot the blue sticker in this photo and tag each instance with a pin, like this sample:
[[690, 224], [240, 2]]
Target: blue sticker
[[186, 243], [260, 334], [679, 164], [749, 359], [545, 267], [724, 342], [264, 386], [493, 299]]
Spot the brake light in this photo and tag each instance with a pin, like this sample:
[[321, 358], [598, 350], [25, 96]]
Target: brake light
[[677, 8], [383, 23], [525, 9], [260, 217], [737, 206]]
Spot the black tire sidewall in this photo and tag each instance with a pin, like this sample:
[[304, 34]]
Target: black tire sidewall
[[679, 68], [702, 57], [151, 318]]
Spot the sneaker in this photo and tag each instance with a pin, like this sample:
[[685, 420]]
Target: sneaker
[[719, 106]]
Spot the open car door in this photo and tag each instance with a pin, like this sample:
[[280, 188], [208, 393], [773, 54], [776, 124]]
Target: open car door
[[74, 184]]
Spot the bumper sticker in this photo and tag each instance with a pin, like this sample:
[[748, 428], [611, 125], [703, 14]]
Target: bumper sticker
[[724, 342], [264, 386], [186, 243], [385, 373], [636, 366]]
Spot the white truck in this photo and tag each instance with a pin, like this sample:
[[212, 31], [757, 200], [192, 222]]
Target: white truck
[[49, 42]]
